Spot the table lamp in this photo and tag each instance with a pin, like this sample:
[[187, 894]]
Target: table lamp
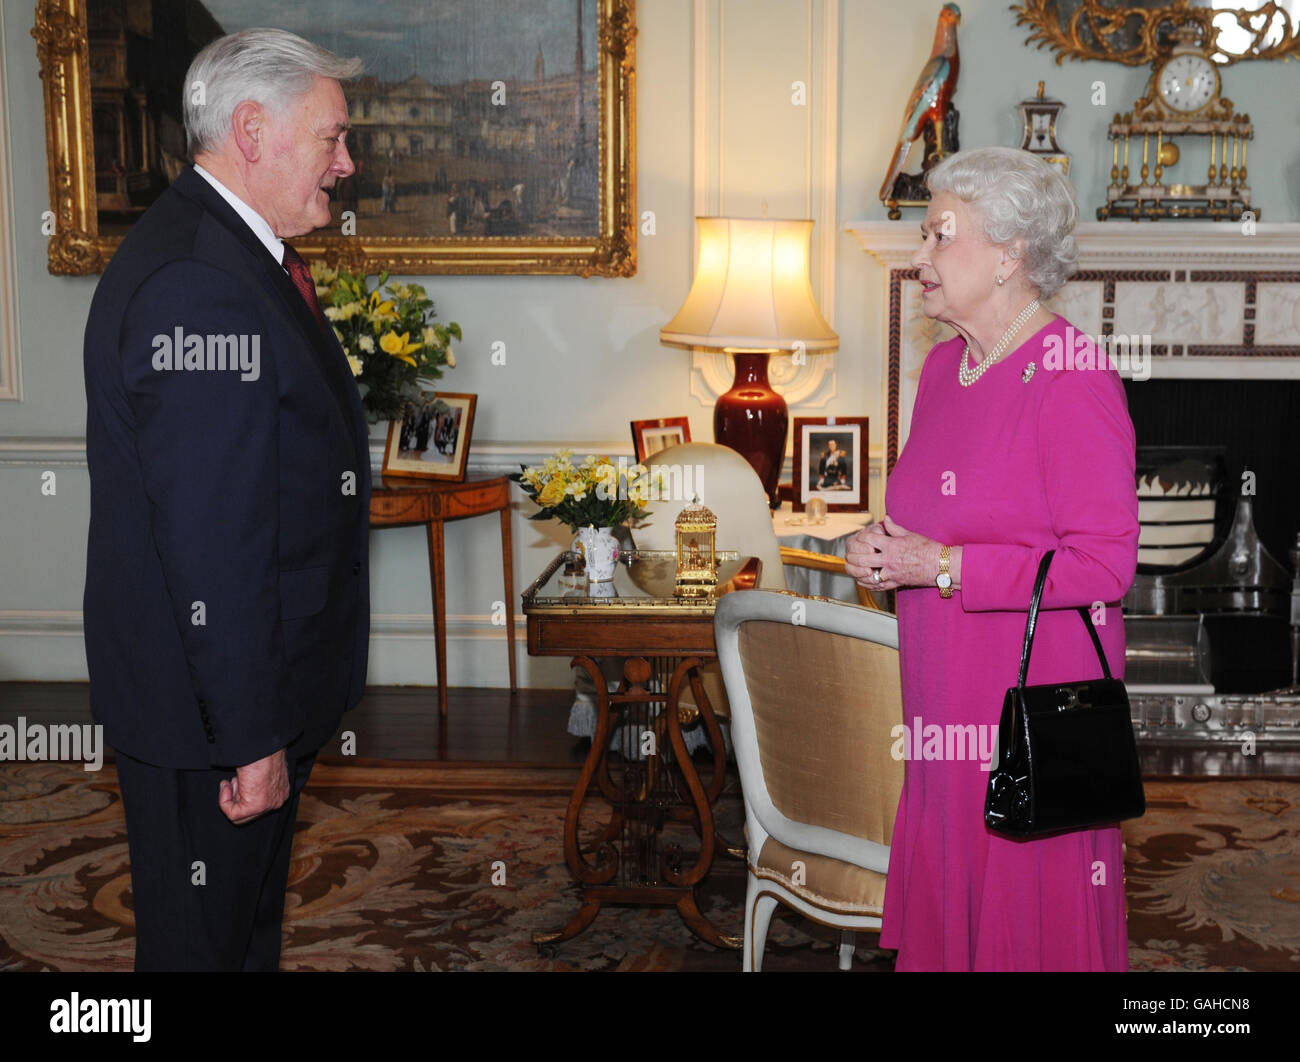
[[751, 298]]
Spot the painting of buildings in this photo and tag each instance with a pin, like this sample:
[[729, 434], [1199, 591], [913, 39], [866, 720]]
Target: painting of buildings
[[474, 118]]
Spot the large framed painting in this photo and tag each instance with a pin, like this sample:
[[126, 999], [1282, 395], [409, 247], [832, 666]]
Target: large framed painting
[[489, 136]]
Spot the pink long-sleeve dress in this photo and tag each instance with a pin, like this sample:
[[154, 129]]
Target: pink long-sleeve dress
[[1007, 469]]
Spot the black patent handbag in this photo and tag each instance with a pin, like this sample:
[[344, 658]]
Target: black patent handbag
[[1066, 755]]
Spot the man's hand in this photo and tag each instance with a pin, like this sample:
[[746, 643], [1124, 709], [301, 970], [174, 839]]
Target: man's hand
[[256, 789]]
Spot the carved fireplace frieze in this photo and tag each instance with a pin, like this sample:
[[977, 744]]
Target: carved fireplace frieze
[[1204, 299]]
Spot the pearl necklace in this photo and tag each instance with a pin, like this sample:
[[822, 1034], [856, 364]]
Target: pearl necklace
[[967, 376]]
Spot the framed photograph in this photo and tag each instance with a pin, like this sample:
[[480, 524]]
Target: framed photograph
[[830, 462], [651, 436], [431, 441], [489, 136]]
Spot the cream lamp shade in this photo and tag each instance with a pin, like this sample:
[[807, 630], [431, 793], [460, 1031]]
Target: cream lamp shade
[[752, 289], [752, 297]]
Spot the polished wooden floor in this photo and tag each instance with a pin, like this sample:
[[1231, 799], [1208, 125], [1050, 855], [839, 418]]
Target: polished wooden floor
[[493, 726], [391, 722]]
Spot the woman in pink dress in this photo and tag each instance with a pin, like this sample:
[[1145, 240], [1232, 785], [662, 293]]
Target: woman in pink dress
[[1020, 442]]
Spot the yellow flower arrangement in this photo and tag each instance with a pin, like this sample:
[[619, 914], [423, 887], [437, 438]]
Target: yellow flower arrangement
[[596, 493], [389, 333]]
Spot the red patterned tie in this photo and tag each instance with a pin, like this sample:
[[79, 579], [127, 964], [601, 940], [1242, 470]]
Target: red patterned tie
[[302, 280]]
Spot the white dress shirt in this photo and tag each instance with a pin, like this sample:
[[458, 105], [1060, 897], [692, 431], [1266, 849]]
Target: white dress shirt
[[261, 228]]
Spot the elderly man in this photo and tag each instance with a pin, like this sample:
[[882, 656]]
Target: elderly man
[[227, 594]]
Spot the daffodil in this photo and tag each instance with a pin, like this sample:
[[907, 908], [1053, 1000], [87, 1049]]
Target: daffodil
[[399, 347], [356, 364], [552, 493], [380, 308]]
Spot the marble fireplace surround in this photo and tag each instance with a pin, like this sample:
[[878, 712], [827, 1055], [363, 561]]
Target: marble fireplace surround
[[1215, 302]]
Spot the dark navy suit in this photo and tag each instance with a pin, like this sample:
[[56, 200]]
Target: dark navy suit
[[227, 580]]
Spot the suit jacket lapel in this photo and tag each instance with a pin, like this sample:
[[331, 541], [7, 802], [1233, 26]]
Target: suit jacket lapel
[[329, 354]]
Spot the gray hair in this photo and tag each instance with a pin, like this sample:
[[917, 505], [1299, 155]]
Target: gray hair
[[1018, 195], [270, 66]]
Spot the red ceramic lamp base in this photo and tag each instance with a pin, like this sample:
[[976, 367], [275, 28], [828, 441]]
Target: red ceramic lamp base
[[753, 419]]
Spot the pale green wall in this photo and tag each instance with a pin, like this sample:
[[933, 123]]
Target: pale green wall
[[998, 70], [583, 356]]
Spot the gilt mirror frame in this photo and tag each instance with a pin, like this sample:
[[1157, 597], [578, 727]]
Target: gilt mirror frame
[[1132, 32], [76, 246]]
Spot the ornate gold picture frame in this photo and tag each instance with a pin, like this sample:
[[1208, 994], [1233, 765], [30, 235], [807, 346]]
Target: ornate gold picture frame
[[1134, 32], [498, 210]]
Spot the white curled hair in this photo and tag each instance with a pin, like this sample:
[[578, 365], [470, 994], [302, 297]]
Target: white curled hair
[[1018, 195], [270, 66]]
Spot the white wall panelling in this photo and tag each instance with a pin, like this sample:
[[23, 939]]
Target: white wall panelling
[[1216, 302], [758, 153], [10, 365]]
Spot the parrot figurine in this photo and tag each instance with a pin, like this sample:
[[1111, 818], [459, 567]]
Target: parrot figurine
[[931, 97]]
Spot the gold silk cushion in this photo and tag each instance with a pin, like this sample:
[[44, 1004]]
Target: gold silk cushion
[[824, 709]]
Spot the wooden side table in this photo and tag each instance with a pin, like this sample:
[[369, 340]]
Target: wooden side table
[[652, 783], [407, 502]]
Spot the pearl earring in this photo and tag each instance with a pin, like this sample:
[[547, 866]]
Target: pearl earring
[[999, 281]]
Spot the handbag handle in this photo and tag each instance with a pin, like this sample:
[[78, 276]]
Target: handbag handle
[[1032, 621]]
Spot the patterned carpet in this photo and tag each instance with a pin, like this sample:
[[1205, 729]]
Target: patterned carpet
[[394, 865]]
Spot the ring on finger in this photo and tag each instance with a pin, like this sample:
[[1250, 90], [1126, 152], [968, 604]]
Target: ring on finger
[[875, 575]]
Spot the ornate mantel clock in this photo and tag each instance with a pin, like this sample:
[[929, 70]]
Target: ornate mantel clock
[[1186, 47], [1183, 98]]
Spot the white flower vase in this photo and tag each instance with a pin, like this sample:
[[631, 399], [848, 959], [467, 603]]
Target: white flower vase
[[600, 550]]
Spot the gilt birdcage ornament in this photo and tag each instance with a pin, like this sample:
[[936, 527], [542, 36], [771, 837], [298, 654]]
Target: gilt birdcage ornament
[[697, 558]]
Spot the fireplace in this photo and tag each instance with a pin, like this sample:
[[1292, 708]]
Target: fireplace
[[1257, 422], [1220, 310]]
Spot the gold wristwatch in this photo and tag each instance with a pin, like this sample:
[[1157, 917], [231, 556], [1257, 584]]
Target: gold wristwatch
[[943, 580]]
